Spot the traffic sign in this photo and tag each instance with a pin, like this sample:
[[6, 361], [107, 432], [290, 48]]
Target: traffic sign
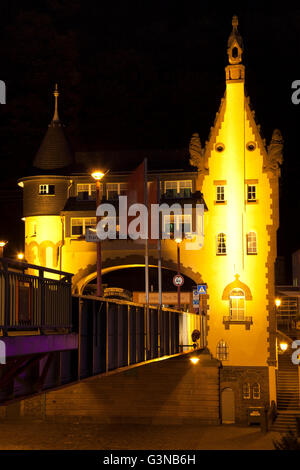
[[195, 299], [201, 289], [91, 235], [178, 280]]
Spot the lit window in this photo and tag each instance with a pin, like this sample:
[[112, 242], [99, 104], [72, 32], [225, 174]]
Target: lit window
[[237, 305], [221, 244], [176, 189], [114, 190], [87, 191], [251, 192], [46, 189], [185, 188], [246, 391], [251, 243], [220, 196], [80, 225], [222, 350], [256, 391]]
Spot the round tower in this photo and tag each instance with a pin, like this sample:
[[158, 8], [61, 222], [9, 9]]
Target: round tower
[[45, 195]]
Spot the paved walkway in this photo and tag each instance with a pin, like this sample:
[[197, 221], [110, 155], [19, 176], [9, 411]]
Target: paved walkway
[[18, 435]]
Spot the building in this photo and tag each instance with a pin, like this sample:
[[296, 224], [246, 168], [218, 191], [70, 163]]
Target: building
[[237, 174]]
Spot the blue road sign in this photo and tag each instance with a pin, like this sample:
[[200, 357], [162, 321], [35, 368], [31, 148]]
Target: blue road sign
[[195, 299], [201, 289]]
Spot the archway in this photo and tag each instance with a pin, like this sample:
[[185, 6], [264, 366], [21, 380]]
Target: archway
[[131, 279]]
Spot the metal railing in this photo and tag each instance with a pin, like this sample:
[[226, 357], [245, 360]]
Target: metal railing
[[30, 302], [117, 333]]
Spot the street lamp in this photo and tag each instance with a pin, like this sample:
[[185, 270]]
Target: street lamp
[[283, 346], [98, 175], [277, 302], [20, 256], [2, 245], [178, 241]]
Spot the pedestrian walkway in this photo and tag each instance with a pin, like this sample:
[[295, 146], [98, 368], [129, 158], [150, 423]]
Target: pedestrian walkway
[[24, 435]]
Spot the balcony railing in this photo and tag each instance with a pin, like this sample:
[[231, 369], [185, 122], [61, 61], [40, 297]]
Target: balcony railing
[[29, 302]]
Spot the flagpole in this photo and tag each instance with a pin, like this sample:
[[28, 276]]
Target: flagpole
[[147, 264], [159, 248]]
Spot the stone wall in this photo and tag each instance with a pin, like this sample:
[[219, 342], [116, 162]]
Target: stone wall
[[235, 377]]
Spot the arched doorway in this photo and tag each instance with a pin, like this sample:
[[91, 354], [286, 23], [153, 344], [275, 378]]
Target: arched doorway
[[228, 406]]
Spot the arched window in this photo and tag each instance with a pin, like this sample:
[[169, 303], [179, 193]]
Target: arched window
[[222, 350], [256, 391], [221, 244], [237, 304], [246, 391], [251, 243]]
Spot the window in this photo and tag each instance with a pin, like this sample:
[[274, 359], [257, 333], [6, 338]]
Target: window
[[256, 391], [221, 244], [251, 193], [219, 147], [47, 189], [180, 223], [246, 391], [251, 243], [185, 188], [175, 189], [222, 350], [237, 304], [251, 146], [87, 191], [114, 190], [79, 225], [220, 196]]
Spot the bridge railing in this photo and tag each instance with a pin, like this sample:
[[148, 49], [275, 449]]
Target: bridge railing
[[117, 333], [30, 302]]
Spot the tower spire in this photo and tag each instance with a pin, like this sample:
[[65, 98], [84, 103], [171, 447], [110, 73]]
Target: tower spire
[[235, 43], [56, 95], [236, 70]]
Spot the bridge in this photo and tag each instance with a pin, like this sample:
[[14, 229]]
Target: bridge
[[54, 341]]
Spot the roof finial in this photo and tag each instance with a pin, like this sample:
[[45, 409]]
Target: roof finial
[[56, 95], [235, 22]]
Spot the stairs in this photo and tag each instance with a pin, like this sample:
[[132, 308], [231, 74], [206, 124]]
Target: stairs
[[286, 420], [287, 383], [288, 405]]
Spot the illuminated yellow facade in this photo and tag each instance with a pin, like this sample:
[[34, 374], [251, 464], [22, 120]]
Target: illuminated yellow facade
[[238, 176]]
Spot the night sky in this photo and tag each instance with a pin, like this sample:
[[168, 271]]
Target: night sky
[[140, 75]]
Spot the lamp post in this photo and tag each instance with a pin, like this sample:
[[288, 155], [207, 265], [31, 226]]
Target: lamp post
[[178, 241], [2, 245], [98, 175]]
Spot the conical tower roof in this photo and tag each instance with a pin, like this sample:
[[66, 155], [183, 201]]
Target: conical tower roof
[[54, 151]]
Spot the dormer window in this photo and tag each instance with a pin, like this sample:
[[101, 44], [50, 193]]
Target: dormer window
[[46, 189], [235, 52]]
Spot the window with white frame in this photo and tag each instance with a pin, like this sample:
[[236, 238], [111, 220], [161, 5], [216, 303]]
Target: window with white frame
[[178, 189], [256, 391], [87, 191], [79, 225], [251, 192], [246, 391], [237, 304], [114, 190], [220, 193], [221, 244], [222, 350], [48, 189], [177, 223], [251, 243]]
